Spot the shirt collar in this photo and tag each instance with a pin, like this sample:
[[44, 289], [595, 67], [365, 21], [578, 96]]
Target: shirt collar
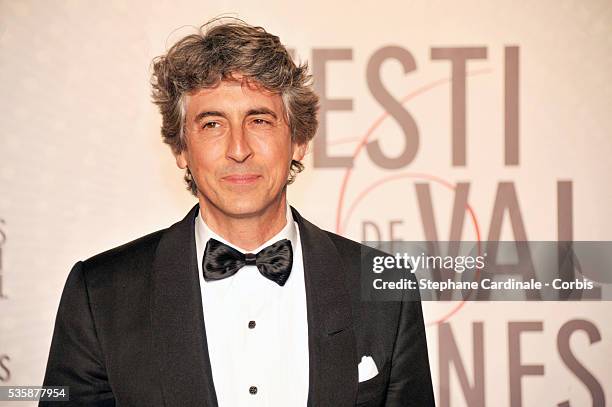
[[204, 233]]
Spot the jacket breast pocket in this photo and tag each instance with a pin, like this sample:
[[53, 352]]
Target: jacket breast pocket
[[372, 392]]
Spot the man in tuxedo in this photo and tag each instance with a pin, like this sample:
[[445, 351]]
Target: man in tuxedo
[[243, 302]]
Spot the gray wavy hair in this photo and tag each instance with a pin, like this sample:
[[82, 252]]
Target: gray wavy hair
[[224, 47]]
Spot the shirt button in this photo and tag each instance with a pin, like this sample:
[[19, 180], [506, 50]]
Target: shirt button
[[251, 326], [253, 390]]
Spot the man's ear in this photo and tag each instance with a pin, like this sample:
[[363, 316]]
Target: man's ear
[[181, 159], [299, 151]]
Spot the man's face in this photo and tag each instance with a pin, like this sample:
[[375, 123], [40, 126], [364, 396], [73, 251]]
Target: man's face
[[239, 147]]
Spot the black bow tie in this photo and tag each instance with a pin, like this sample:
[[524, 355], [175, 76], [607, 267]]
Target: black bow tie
[[273, 262]]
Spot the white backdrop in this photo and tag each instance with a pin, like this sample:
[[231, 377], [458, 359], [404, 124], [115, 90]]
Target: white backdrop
[[83, 168]]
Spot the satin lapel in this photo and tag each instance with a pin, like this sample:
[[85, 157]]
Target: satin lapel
[[331, 339], [179, 335]]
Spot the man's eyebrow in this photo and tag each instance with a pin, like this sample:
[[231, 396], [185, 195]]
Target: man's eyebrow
[[202, 115], [262, 110]]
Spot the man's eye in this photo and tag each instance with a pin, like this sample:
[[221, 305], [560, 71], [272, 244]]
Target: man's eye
[[211, 125], [260, 122]]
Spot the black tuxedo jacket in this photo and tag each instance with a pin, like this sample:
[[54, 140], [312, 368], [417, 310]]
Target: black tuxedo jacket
[[130, 328]]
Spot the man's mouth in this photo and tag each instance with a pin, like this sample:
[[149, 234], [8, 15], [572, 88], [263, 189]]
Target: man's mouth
[[241, 179]]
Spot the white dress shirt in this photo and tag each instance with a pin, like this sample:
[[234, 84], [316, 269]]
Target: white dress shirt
[[257, 331]]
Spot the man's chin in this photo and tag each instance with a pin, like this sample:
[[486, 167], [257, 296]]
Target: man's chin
[[243, 205], [243, 208]]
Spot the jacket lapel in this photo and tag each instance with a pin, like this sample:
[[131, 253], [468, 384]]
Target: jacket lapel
[[331, 338], [179, 336]]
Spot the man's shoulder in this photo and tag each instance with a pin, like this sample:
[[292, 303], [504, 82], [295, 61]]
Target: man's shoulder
[[343, 244], [135, 252], [355, 256], [351, 250], [347, 248], [134, 261]]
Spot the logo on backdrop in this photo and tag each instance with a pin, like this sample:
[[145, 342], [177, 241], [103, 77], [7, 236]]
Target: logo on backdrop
[[376, 191], [375, 173], [370, 156]]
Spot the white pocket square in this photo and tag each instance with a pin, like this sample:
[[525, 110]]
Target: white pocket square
[[367, 368]]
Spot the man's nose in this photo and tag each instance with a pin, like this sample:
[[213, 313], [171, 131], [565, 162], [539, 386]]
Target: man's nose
[[238, 148]]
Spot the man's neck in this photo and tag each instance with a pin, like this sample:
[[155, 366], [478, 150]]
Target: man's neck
[[246, 232]]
